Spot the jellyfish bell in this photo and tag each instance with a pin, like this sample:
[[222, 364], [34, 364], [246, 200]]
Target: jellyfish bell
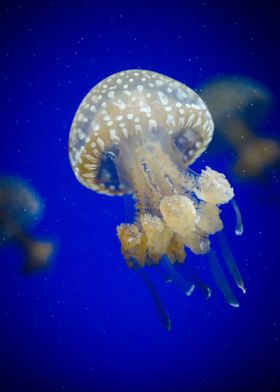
[[238, 106], [136, 132], [20, 210]]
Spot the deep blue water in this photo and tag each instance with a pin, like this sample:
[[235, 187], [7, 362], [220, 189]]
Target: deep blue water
[[88, 323]]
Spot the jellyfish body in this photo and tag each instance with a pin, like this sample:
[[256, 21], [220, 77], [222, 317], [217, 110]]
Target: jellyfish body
[[137, 132], [238, 106], [20, 210]]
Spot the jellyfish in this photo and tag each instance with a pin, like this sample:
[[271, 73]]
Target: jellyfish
[[238, 106], [137, 132], [20, 210]]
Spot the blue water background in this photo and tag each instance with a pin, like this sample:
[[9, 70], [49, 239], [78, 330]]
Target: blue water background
[[88, 323]]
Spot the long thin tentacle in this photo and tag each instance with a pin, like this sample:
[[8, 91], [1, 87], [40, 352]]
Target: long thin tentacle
[[186, 286], [160, 309], [239, 228], [220, 279], [230, 262]]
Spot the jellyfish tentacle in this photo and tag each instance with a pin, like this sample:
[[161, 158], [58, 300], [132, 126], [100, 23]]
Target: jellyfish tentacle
[[204, 288], [186, 286], [239, 224], [220, 279], [230, 262], [160, 309]]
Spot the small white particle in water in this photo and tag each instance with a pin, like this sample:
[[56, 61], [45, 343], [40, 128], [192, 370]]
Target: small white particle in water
[[130, 116]]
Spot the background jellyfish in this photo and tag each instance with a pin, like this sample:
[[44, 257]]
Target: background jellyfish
[[137, 132], [238, 107], [20, 210]]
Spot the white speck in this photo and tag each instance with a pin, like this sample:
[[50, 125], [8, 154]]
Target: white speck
[[106, 116], [125, 132], [180, 94], [119, 118], [140, 88], [81, 134], [159, 83], [130, 116], [96, 127], [152, 124], [92, 108], [111, 94], [170, 120], [178, 104], [163, 98], [120, 104], [145, 109], [113, 135], [167, 108]]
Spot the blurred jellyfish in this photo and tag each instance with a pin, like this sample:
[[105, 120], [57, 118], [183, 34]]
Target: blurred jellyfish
[[20, 210], [238, 107]]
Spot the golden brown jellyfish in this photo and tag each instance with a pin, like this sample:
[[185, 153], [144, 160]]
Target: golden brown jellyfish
[[138, 132], [20, 210], [238, 106]]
